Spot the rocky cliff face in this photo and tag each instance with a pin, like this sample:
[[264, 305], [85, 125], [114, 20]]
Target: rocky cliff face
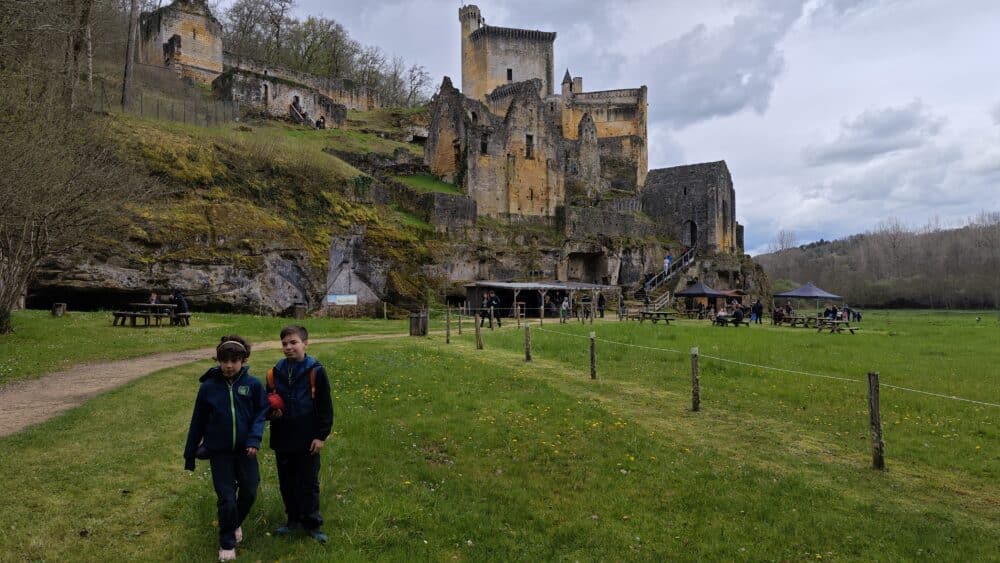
[[279, 280]]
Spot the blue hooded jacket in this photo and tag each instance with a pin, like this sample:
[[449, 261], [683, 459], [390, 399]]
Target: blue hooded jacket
[[228, 416], [304, 418]]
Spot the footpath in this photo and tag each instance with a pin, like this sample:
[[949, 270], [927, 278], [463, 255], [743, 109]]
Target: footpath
[[37, 400]]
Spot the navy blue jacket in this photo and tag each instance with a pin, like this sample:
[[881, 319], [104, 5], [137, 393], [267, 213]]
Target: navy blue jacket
[[229, 417], [304, 419]]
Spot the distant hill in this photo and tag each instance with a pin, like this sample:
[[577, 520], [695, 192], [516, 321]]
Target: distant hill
[[893, 266]]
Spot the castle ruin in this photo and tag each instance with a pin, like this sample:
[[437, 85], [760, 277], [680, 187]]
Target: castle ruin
[[519, 149], [184, 36]]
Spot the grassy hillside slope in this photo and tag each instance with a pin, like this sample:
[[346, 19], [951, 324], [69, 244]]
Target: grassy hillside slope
[[237, 191]]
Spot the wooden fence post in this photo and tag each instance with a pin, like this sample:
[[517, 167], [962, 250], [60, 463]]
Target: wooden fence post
[[695, 384], [875, 420], [517, 313], [527, 342], [447, 327], [491, 317], [593, 355], [479, 336], [460, 315], [385, 313]]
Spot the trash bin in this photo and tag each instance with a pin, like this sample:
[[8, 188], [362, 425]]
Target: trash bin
[[418, 323], [299, 311]]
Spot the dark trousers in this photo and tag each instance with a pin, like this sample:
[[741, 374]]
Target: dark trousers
[[235, 477], [298, 479]]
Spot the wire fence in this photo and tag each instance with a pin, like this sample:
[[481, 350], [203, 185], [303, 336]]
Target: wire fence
[[183, 104], [873, 383]]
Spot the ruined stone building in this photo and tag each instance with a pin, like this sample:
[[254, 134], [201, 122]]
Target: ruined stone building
[[520, 149], [185, 37]]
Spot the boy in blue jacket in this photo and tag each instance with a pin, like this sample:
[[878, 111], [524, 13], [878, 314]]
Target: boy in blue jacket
[[299, 431], [226, 428]]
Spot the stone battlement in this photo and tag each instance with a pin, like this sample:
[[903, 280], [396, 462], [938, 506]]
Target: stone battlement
[[512, 33]]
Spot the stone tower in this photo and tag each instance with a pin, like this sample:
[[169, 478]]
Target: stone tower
[[183, 36], [470, 19], [497, 56]]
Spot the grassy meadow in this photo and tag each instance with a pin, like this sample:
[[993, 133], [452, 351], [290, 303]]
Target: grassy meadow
[[42, 343], [443, 452]]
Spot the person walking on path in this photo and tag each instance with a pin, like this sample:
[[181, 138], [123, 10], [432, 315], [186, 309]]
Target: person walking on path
[[299, 431], [226, 428]]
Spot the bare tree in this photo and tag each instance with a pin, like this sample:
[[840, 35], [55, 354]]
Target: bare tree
[[59, 187], [418, 80], [133, 35]]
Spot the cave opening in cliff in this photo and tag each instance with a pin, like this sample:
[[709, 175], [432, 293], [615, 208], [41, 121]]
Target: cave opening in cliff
[[587, 267]]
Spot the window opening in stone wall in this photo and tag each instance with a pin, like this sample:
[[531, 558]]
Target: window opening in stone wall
[[194, 34], [529, 146], [510, 75], [265, 94], [685, 190], [458, 154], [531, 194], [475, 118], [484, 144]]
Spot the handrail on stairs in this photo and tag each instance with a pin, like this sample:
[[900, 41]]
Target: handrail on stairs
[[676, 266]]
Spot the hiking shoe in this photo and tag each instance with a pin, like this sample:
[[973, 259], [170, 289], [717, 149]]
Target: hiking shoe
[[239, 535], [287, 529], [227, 554], [317, 535]]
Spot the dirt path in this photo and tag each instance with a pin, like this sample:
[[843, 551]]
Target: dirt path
[[37, 400]]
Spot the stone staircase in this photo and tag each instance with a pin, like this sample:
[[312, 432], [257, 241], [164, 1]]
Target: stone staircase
[[657, 286]]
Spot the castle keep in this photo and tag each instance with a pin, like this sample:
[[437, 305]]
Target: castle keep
[[185, 37], [521, 149]]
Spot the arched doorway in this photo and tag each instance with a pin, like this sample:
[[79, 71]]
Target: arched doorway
[[689, 234]]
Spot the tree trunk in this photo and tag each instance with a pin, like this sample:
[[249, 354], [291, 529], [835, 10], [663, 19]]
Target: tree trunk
[[133, 33], [77, 40], [90, 59]]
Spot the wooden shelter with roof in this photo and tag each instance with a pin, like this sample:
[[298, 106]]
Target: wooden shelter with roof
[[532, 295]]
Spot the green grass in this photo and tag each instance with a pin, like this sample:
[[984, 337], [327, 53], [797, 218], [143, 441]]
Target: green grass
[[443, 452], [410, 220], [42, 343], [427, 183]]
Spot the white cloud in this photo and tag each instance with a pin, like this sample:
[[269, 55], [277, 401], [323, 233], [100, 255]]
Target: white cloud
[[876, 132], [713, 72]]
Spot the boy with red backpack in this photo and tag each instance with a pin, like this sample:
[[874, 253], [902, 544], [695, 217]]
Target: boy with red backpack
[[299, 430]]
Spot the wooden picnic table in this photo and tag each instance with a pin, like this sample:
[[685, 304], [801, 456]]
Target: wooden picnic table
[[837, 326], [655, 316], [723, 320], [146, 312], [799, 321]]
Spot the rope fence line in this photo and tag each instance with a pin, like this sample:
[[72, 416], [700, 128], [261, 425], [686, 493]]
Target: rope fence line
[[773, 368]]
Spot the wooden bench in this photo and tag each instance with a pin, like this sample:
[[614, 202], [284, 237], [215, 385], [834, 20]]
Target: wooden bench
[[723, 321], [656, 316], [835, 326], [633, 314], [122, 316], [181, 319]]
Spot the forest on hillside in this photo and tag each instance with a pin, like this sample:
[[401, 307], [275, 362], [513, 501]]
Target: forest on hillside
[[897, 266]]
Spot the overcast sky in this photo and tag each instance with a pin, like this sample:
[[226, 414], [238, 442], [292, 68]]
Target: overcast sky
[[833, 115]]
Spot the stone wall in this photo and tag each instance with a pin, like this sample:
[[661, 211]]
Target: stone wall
[[184, 36], [489, 52], [617, 114], [583, 222], [267, 95], [696, 202], [583, 164], [339, 91]]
